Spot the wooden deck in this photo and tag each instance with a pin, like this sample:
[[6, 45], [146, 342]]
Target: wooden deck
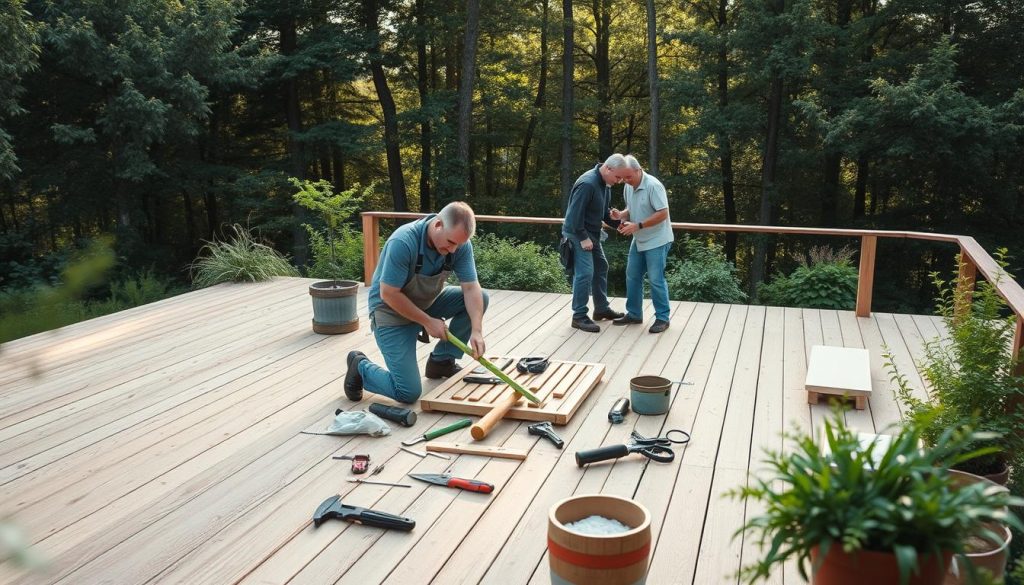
[[162, 444]]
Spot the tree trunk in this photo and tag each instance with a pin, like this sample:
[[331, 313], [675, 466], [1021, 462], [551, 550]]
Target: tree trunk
[[724, 141], [212, 220], [860, 196], [830, 187], [836, 72], [602, 24], [652, 79], [337, 169], [538, 104], [466, 82], [387, 106], [768, 166], [190, 218], [568, 46], [293, 115], [423, 87]]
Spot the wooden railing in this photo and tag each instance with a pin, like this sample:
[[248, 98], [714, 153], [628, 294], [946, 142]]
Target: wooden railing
[[974, 258]]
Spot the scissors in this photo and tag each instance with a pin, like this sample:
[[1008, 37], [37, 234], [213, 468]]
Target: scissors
[[654, 448]]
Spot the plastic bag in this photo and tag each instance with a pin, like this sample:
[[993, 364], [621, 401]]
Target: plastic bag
[[356, 422]]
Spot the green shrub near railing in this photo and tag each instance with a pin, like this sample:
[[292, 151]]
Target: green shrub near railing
[[825, 280], [508, 264], [703, 274]]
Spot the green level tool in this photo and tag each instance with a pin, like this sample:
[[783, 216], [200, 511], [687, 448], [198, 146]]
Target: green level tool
[[460, 424], [494, 369]]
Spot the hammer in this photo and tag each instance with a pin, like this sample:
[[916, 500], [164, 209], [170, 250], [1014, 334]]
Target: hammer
[[332, 508]]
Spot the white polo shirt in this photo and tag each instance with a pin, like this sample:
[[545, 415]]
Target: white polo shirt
[[648, 197]]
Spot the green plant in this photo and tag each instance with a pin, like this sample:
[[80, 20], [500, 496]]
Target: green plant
[[508, 264], [334, 209], [825, 280], [242, 259], [969, 374], [894, 498], [703, 275]]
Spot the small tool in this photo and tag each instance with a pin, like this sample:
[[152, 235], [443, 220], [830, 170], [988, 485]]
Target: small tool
[[402, 416], [374, 482], [422, 455], [482, 380], [618, 411], [360, 463], [461, 424], [532, 365], [544, 429], [447, 480], [656, 449], [332, 508]]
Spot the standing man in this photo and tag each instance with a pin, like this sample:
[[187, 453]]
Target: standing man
[[408, 294], [646, 219], [589, 205]]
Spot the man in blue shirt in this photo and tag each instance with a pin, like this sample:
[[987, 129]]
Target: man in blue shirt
[[646, 219], [587, 207], [408, 294]]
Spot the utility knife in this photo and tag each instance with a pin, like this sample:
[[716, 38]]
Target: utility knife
[[447, 480]]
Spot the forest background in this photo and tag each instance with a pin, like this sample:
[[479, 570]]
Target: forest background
[[162, 123]]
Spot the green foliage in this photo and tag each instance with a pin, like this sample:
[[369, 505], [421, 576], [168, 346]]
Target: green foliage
[[703, 275], [970, 373], [894, 498], [337, 248], [827, 281], [242, 259], [509, 264]]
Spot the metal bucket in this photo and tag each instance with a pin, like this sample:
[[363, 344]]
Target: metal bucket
[[651, 394]]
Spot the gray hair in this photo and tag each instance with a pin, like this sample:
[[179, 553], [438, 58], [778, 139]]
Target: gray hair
[[458, 213], [615, 161], [632, 163]]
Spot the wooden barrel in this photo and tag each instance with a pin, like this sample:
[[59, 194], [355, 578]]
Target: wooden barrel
[[599, 559], [334, 306]]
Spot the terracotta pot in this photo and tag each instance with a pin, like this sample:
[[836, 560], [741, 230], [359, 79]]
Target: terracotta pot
[[992, 560], [874, 568]]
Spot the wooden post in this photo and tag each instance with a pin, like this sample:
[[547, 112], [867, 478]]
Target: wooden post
[[866, 276], [965, 284], [371, 246]]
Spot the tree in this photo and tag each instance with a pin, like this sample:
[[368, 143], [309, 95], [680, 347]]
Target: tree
[[652, 80], [18, 55], [466, 85], [568, 110]]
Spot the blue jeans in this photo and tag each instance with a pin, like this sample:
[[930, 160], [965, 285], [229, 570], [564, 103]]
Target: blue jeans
[[652, 262], [590, 275], [401, 380]]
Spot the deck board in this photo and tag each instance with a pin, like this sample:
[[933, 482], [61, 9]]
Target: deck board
[[163, 444]]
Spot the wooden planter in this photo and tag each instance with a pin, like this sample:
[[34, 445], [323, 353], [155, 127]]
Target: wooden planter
[[874, 568], [334, 306], [599, 559]]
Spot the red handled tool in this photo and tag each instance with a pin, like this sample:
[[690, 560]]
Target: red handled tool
[[447, 480]]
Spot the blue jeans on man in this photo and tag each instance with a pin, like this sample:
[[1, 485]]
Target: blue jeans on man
[[652, 263], [590, 269], [401, 380]]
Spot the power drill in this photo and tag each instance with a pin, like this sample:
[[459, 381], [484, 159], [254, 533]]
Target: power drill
[[544, 429]]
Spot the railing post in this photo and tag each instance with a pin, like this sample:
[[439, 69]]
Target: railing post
[[965, 280], [371, 246], [866, 276]]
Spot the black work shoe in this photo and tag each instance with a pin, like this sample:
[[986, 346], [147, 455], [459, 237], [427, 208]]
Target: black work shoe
[[627, 320], [442, 368], [607, 314], [658, 326], [353, 380], [585, 324]]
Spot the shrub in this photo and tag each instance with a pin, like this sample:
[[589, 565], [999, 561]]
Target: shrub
[[345, 261], [703, 275], [337, 248], [827, 281], [509, 264], [242, 259]]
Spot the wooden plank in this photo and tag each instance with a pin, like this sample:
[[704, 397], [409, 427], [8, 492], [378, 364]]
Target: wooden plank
[[482, 450], [885, 409], [841, 327]]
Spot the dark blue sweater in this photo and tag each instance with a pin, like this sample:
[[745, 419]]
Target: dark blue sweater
[[588, 207]]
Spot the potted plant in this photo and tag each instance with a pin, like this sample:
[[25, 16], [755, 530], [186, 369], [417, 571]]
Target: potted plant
[[334, 300], [884, 513], [970, 373]]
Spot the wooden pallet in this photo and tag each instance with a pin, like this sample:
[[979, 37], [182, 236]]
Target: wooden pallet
[[562, 388]]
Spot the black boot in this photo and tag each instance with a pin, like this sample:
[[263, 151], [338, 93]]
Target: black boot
[[445, 368], [353, 380]]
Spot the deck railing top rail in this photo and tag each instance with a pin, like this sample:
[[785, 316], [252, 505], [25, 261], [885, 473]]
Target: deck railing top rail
[[974, 257]]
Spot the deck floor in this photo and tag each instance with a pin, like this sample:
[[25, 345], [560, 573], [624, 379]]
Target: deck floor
[[162, 444]]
